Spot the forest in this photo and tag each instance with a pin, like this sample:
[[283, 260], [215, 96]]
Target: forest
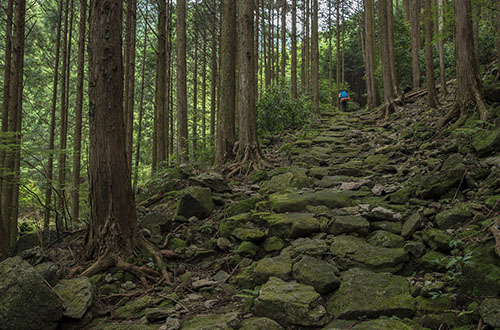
[[190, 165]]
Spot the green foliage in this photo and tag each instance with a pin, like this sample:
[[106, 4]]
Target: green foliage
[[276, 111]]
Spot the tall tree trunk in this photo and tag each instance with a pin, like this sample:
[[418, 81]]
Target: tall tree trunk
[[337, 30], [331, 93], [161, 87], [195, 86], [303, 50], [113, 222], [315, 58], [283, 42], [130, 41], [470, 89], [213, 68], [294, 51], [248, 143], [386, 66], [182, 129], [498, 40], [429, 61], [256, 48], [63, 137], [440, 32], [415, 41], [226, 117], [77, 133], [476, 16], [343, 44], [406, 10], [141, 101], [307, 41], [392, 59], [265, 40], [204, 94], [4, 236], [50, 162], [13, 134], [373, 96]]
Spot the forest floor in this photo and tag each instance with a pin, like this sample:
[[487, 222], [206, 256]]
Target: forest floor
[[359, 225]]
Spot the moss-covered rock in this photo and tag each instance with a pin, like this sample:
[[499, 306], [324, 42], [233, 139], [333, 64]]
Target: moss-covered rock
[[77, 294], [292, 225], [156, 222], [261, 323], [458, 214], [481, 272], [411, 225], [25, 301], [176, 243], [312, 247], [350, 251], [245, 279], [349, 224], [490, 311], [273, 267], [437, 239], [283, 182], [296, 202], [365, 294], [390, 226], [227, 321], [319, 274], [243, 206], [386, 239], [195, 201], [433, 261], [436, 304], [134, 310], [290, 303], [376, 160], [401, 196], [272, 244], [48, 271], [434, 185], [228, 225], [127, 325], [250, 233], [382, 324], [248, 249], [486, 142], [318, 172]]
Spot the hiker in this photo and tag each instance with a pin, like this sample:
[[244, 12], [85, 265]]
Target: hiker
[[343, 98]]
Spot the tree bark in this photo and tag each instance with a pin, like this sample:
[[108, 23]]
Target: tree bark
[[195, 86], [13, 133], [113, 223], [130, 43], [415, 41], [249, 149], [331, 93], [77, 133], [294, 51], [373, 96], [182, 125], [283, 42], [440, 32], [337, 30], [429, 63], [226, 117], [392, 59], [386, 66], [498, 40], [213, 68], [315, 58], [469, 90]]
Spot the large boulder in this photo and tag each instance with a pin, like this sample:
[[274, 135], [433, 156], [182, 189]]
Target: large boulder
[[214, 181], [273, 267], [350, 251], [487, 142], [349, 224], [227, 321], [282, 182], [458, 214], [25, 301], [77, 294], [365, 294], [156, 222], [320, 274], [296, 202], [436, 184], [290, 303], [490, 312], [292, 225], [261, 323], [195, 201]]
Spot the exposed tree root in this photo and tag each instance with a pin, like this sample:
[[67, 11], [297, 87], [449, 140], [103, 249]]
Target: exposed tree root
[[252, 157], [112, 259]]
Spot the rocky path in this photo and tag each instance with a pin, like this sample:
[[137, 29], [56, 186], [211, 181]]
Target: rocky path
[[367, 227]]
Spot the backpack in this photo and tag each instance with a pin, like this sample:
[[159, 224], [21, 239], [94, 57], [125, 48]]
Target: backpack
[[343, 96]]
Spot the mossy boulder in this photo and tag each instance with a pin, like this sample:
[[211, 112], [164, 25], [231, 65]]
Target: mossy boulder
[[226, 321], [48, 271], [390, 226], [156, 222], [250, 233], [350, 251], [77, 294], [433, 261], [176, 243], [365, 294], [458, 214], [487, 142], [261, 323], [437, 239], [272, 244], [401, 196], [134, 309], [25, 301], [296, 202], [490, 311], [376, 160], [282, 182], [318, 172], [292, 225], [481, 274], [212, 180], [349, 224], [273, 267], [411, 225], [245, 279], [436, 304], [290, 303], [307, 246], [228, 225], [386, 239], [436, 184], [382, 324], [127, 325], [320, 274], [243, 206], [195, 201], [248, 249]]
